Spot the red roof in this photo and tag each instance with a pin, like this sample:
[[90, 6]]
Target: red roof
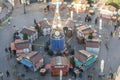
[[94, 43], [36, 58], [80, 57], [21, 44], [38, 64]]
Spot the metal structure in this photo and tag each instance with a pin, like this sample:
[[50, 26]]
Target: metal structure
[[57, 40]]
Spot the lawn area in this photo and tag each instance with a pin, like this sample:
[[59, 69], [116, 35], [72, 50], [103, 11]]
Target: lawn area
[[115, 3]]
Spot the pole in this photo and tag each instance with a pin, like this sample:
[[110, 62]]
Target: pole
[[24, 5], [71, 15], [61, 74], [100, 27]]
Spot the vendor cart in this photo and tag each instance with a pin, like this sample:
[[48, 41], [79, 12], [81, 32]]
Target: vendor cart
[[43, 71]]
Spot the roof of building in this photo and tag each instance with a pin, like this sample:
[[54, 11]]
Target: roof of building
[[59, 61], [27, 56], [93, 43], [31, 54], [85, 29], [85, 53], [36, 58], [28, 30], [80, 57], [21, 44], [109, 7]]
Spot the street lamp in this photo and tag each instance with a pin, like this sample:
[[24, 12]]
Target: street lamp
[[24, 5], [100, 27]]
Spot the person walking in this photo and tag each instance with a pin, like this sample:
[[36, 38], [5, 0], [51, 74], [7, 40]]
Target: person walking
[[9, 49], [6, 50], [96, 20], [119, 35], [115, 27], [7, 73], [111, 34], [1, 75], [48, 7]]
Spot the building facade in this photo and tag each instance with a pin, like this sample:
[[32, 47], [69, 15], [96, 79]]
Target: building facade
[[14, 2]]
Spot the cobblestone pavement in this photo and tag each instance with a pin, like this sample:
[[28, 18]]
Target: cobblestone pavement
[[110, 56]]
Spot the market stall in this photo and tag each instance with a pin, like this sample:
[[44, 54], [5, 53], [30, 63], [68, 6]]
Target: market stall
[[79, 6], [59, 63], [93, 45], [84, 59], [108, 12], [82, 32]]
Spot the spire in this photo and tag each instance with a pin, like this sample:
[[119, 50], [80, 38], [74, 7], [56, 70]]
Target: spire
[[57, 19]]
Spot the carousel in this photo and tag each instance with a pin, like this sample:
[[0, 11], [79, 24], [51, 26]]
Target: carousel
[[78, 6], [61, 3]]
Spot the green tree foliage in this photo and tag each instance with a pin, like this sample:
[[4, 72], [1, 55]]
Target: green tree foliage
[[90, 36], [115, 3], [25, 36], [72, 61]]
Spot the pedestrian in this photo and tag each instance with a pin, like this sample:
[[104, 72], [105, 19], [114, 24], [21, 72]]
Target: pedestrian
[[6, 50], [9, 22], [96, 20], [14, 52], [111, 34], [115, 27], [106, 45], [1, 75], [119, 35], [7, 73], [48, 7], [9, 49]]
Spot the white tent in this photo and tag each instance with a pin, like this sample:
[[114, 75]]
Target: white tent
[[107, 12]]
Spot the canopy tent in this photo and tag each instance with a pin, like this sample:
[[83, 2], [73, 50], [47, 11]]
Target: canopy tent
[[26, 63], [78, 63], [107, 12]]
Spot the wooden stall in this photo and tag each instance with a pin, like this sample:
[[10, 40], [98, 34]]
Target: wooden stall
[[59, 63], [82, 32]]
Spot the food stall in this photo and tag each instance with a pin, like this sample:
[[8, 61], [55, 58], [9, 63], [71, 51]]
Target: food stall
[[59, 63], [108, 12], [82, 32], [84, 59], [32, 60], [79, 6], [93, 45]]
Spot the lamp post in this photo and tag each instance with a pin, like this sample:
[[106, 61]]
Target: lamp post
[[100, 27], [24, 5], [61, 73]]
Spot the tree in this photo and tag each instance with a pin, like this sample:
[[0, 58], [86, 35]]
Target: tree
[[25, 36], [90, 36], [72, 61]]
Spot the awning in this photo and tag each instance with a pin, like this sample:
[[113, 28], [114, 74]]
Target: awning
[[78, 63], [91, 61], [26, 63]]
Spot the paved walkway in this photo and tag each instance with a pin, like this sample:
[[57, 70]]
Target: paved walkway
[[111, 56]]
